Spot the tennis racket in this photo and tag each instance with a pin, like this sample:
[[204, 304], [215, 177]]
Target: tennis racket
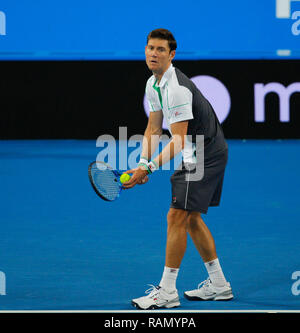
[[105, 181]]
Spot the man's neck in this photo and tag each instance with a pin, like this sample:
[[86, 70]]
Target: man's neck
[[159, 76]]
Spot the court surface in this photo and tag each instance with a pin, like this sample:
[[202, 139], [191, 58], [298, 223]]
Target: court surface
[[63, 248]]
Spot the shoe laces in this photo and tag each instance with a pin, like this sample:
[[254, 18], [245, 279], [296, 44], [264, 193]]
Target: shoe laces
[[204, 283], [152, 291]]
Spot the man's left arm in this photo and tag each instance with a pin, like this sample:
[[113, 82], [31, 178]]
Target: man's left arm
[[176, 144]]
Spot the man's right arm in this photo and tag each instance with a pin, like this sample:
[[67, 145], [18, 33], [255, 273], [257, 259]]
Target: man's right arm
[[152, 135], [150, 142]]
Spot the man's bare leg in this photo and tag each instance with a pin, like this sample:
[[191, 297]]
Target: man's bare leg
[[205, 245], [176, 237], [201, 237]]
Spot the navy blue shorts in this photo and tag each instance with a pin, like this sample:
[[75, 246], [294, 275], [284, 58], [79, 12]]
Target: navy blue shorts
[[197, 196]]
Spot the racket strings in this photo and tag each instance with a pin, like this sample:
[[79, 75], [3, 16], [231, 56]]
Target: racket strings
[[106, 182]]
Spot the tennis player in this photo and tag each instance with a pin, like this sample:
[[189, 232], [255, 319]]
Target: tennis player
[[175, 98]]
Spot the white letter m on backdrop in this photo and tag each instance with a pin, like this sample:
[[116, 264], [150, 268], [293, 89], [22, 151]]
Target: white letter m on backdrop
[[2, 23]]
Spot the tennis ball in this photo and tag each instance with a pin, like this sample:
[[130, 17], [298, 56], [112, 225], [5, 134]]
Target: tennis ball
[[124, 178]]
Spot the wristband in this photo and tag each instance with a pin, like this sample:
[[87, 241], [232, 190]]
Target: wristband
[[152, 166], [143, 161]]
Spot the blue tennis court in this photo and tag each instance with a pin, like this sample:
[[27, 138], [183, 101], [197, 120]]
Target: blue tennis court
[[63, 248]]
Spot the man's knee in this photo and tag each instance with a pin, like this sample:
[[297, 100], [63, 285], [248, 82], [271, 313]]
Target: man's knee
[[193, 220], [177, 217]]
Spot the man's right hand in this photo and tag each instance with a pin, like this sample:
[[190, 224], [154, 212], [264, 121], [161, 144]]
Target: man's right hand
[[139, 176]]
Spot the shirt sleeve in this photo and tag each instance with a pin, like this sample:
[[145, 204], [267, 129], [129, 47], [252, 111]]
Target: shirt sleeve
[[152, 98], [180, 105]]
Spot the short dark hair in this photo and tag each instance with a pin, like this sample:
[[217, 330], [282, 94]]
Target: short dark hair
[[163, 34]]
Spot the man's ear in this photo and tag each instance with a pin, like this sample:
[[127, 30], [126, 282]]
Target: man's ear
[[172, 54]]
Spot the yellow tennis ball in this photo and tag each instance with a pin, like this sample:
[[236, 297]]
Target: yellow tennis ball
[[124, 178]]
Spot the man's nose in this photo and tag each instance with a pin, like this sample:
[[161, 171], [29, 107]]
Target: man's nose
[[154, 53]]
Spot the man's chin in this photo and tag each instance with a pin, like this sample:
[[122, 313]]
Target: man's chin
[[154, 68], [152, 65]]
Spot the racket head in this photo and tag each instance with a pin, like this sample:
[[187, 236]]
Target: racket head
[[105, 181]]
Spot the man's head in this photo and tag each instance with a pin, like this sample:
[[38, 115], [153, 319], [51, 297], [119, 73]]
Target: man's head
[[160, 50]]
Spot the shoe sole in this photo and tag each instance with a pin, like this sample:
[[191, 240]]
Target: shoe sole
[[215, 298], [174, 304]]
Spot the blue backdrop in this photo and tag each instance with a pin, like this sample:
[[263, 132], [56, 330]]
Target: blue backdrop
[[94, 29]]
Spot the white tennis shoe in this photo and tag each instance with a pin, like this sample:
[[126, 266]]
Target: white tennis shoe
[[157, 298], [206, 291]]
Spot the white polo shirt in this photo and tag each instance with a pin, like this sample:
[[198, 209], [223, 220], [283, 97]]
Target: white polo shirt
[[174, 100]]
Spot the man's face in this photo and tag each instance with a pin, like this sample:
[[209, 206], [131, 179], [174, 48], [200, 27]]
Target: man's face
[[158, 55]]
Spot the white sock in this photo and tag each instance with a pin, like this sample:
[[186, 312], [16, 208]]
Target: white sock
[[168, 281], [215, 273]]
